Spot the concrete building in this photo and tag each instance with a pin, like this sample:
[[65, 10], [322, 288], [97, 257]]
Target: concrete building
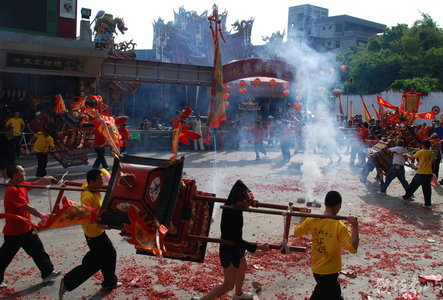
[[336, 33], [41, 57]]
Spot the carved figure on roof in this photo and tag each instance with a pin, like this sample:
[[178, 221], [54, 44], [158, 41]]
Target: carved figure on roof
[[244, 25], [105, 28], [276, 37]]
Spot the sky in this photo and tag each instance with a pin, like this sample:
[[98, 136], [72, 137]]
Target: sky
[[270, 15]]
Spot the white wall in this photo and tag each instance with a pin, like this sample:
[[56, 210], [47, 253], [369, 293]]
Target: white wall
[[427, 102]]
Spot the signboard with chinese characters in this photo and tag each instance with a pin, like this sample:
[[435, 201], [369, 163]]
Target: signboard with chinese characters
[[43, 62], [68, 8], [255, 67]]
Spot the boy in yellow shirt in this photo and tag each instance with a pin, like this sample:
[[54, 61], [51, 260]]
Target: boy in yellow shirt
[[424, 173], [43, 143], [102, 255], [328, 236]]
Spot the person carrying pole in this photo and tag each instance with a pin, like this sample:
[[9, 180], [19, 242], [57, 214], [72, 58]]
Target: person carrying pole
[[328, 236]]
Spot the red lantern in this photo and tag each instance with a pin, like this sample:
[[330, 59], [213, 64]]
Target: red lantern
[[297, 106], [226, 104], [332, 70], [272, 82], [226, 88], [226, 96], [242, 90], [297, 91], [242, 83], [297, 98], [322, 72], [285, 85], [257, 81], [286, 93], [343, 67]]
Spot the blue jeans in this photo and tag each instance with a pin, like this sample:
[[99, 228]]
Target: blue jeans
[[396, 171]]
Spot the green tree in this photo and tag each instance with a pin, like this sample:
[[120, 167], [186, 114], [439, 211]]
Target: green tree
[[421, 85], [400, 54]]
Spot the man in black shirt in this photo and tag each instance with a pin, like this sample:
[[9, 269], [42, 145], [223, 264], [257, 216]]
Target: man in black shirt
[[7, 151]]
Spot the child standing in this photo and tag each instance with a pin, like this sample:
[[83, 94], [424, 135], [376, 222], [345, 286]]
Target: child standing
[[328, 236]]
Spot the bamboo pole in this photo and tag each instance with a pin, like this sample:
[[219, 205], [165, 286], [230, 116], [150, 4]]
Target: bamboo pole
[[259, 204], [53, 187], [284, 213], [228, 242]]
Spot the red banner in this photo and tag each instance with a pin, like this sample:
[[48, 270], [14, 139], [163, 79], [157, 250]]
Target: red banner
[[428, 116], [385, 103], [59, 105]]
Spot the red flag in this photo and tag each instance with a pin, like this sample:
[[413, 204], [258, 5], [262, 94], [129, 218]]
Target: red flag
[[428, 116], [59, 105], [217, 112], [365, 109], [385, 103], [181, 133], [69, 213], [79, 103], [143, 233], [376, 112]]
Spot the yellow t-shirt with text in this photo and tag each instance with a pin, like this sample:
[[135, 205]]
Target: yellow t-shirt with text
[[94, 199], [425, 159], [328, 236]]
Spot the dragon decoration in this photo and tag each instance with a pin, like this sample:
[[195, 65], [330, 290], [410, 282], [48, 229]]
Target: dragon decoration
[[88, 116], [105, 28]]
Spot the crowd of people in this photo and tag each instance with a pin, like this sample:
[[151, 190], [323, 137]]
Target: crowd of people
[[329, 236]]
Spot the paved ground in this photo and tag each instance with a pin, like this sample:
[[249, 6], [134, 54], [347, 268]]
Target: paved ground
[[399, 240]]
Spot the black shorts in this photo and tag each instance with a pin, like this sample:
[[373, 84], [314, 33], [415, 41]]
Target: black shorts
[[230, 255], [6, 160]]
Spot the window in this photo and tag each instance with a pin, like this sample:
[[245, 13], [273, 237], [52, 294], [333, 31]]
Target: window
[[330, 27], [337, 44], [324, 28], [338, 27]]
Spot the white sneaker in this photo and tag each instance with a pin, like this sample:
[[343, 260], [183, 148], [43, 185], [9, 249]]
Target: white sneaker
[[3, 285], [52, 276], [243, 295]]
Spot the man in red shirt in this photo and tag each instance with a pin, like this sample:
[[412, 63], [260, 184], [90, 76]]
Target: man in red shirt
[[258, 132], [19, 233], [125, 136], [38, 124]]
